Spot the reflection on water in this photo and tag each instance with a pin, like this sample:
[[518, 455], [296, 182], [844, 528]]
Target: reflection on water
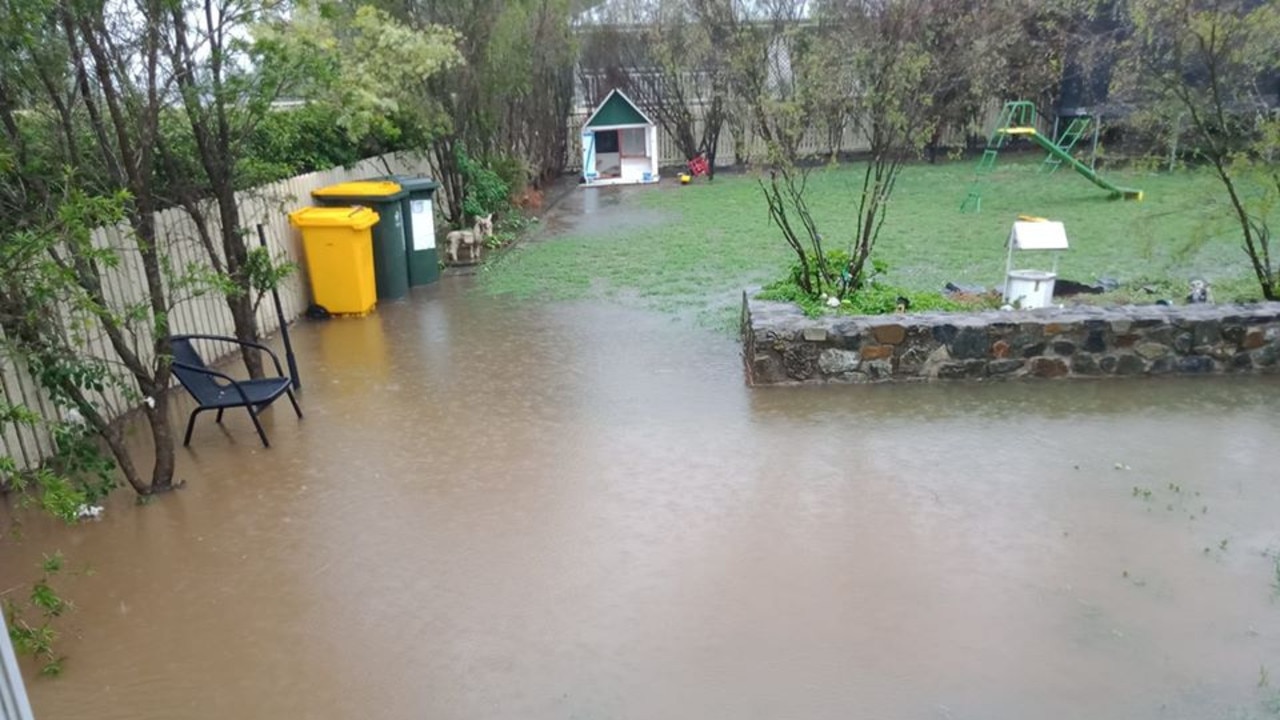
[[603, 211], [501, 510]]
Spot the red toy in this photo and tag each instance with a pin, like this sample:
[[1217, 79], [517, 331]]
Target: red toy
[[699, 165]]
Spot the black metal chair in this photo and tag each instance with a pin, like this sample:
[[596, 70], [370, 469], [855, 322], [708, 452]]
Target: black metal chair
[[214, 390]]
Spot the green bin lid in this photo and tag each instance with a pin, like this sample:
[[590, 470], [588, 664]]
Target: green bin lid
[[413, 183]]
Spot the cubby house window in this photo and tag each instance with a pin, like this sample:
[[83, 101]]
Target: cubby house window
[[633, 142], [606, 142]]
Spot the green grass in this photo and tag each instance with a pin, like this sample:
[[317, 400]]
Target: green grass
[[715, 239]]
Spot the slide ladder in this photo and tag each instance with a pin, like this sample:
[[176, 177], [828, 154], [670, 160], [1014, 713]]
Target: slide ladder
[[1067, 141], [1019, 113]]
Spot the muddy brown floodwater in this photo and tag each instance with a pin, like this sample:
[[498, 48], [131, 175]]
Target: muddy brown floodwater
[[574, 511]]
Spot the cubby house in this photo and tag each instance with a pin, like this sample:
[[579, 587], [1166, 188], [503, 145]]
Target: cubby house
[[619, 144]]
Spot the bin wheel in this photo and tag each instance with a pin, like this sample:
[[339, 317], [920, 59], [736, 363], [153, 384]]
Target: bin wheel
[[318, 312]]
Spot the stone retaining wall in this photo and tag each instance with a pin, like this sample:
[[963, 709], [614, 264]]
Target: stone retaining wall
[[782, 346]]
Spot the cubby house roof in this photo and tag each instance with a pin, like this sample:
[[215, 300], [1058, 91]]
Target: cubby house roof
[[617, 110]]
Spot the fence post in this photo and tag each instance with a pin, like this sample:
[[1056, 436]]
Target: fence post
[[13, 694], [284, 323]]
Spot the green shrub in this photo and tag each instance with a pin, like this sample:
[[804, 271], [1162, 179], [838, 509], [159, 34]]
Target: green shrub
[[486, 191], [296, 141], [513, 171], [875, 297], [310, 138]]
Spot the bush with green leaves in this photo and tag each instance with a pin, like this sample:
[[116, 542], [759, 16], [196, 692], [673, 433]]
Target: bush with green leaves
[[486, 192], [874, 297], [292, 141], [309, 138], [508, 230]]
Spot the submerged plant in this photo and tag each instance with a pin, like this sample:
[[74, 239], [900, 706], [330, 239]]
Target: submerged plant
[[37, 638]]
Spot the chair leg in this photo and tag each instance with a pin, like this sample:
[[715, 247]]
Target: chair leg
[[219, 419], [294, 400], [191, 424], [261, 433]]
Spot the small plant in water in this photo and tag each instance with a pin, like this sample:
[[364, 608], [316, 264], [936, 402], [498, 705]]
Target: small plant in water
[[33, 638]]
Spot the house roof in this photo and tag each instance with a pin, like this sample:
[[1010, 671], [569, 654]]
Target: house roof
[[617, 109]]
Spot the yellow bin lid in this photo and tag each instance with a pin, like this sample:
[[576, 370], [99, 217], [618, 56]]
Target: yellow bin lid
[[359, 188], [356, 218]]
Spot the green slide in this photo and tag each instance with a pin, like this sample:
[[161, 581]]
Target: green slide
[[1052, 148]]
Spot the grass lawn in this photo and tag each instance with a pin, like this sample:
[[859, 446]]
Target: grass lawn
[[709, 241]]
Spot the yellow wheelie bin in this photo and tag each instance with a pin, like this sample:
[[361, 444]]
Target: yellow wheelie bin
[[390, 272], [339, 247]]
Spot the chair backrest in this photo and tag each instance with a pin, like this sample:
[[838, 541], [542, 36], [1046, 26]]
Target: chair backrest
[[201, 386]]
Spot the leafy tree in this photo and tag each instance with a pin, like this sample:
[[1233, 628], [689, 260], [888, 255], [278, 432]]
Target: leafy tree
[[1027, 49], [310, 137], [957, 37], [663, 58], [762, 48], [1205, 60], [224, 92], [227, 84], [508, 103], [93, 80], [876, 59], [385, 68], [358, 58], [898, 74]]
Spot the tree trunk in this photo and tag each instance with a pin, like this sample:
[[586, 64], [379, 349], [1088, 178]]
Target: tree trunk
[[243, 317], [162, 439], [712, 125], [446, 167], [246, 324], [114, 438]]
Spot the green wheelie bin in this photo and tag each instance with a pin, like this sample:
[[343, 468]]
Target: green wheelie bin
[[420, 227], [390, 249]]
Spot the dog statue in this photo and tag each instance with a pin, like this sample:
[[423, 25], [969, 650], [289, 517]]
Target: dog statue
[[473, 238]]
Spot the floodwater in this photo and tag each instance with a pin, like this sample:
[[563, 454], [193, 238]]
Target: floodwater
[[576, 511]]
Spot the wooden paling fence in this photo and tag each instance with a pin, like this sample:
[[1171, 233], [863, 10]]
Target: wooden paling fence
[[193, 312], [816, 142]]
